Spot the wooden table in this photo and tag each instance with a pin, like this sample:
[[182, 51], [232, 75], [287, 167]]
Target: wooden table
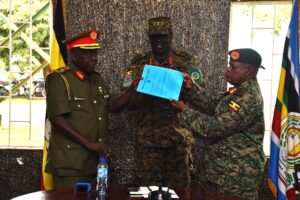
[[119, 192]]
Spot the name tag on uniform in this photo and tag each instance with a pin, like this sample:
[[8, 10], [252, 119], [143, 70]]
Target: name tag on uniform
[[79, 99]]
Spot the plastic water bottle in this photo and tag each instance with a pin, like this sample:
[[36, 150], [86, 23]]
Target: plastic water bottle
[[102, 176]]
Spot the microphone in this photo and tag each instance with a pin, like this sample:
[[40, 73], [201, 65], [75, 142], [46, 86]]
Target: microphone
[[159, 194]]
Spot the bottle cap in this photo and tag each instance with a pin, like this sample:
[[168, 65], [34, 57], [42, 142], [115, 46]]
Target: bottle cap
[[102, 160]]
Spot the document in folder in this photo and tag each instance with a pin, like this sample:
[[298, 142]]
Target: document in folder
[[160, 82]]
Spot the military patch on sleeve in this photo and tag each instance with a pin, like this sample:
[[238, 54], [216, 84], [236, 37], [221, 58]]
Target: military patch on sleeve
[[127, 73], [234, 106], [127, 78], [196, 75]]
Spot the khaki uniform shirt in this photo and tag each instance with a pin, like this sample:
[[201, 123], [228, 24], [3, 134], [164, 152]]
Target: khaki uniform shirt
[[86, 111]]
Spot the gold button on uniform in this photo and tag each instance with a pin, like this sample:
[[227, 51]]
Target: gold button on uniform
[[78, 106], [95, 101], [99, 118]]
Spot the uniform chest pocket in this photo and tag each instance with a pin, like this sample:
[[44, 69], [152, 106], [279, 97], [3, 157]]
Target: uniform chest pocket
[[80, 105]]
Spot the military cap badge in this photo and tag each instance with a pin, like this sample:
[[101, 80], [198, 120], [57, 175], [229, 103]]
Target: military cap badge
[[93, 35], [235, 55]]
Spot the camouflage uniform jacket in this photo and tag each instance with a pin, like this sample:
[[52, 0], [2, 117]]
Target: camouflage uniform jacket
[[234, 158], [157, 122], [85, 110]]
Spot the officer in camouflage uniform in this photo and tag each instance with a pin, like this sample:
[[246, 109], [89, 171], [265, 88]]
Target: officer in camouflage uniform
[[234, 127], [164, 152], [77, 106]]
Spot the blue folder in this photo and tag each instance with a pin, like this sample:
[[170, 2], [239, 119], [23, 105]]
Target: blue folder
[[160, 82]]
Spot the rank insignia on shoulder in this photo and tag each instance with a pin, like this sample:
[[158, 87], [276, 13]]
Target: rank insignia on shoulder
[[234, 106], [62, 69], [196, 75]]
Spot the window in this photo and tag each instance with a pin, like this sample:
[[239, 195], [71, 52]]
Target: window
[[262, 26], [24, 57]]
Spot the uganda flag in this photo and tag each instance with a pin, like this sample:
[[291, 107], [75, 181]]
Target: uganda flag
[[285, 142], [58, 54], [58, 58]]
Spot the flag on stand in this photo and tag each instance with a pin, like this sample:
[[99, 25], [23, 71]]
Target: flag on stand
[[58, 58], [285, 142]]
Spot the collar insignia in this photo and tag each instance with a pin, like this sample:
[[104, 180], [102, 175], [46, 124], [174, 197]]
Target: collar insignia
[[80, 74], [232, 90]]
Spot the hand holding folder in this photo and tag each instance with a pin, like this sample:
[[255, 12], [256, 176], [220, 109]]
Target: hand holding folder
[[161, 82]]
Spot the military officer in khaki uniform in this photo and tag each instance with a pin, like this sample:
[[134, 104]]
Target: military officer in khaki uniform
[[234, 127], [164, 147], [77, 106]]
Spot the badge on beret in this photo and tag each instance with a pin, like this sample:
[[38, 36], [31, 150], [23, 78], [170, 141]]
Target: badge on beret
[[93, 35], [235, 55], [195, 75], [234, 106]]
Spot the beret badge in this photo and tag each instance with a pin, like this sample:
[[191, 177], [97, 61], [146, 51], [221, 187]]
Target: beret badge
[[235, 55], [93, 35]]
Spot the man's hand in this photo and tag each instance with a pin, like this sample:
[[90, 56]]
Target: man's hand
[[137, 79], [187, 81], [178, 104], [136, 82], [124, 98], [100, 147]]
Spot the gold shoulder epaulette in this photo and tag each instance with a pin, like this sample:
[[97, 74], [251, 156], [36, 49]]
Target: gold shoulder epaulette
[[62, 69]]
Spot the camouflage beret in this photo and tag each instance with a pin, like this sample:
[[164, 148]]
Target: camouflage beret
[[159, 26], [246, 56]]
